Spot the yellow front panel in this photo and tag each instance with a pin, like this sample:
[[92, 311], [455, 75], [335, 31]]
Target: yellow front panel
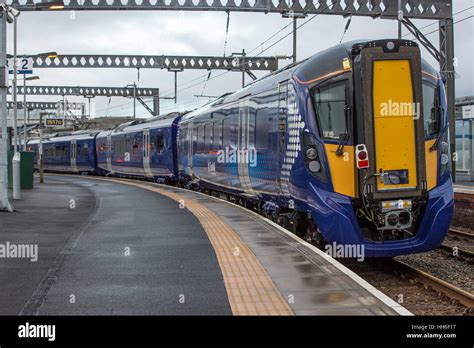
[[394, 124], [343, 170], [431, 165]]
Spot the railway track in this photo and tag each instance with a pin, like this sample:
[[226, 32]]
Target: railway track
[[462, 252], [463, 241], [421, 279], [459, 233], [437, 284]]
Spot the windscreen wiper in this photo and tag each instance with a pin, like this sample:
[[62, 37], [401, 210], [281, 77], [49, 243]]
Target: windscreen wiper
[[440, 111], [438, 139], [344, 139]]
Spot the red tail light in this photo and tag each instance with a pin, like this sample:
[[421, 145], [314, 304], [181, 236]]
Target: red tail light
[[362, 156]]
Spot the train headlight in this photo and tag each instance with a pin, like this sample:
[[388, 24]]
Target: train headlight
[[444, 147], [314, 166], [444, 159], [392, 219], [311, 153]]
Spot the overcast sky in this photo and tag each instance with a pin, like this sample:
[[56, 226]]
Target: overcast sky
[[199, 33]]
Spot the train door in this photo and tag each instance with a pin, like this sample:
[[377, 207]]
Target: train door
[[146, 152], [393, 122], [282, 151], [73, 156], [190, 138], [109, 153], [243, 146]]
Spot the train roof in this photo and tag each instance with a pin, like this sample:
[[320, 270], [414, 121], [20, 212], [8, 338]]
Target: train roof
[[78, 135], [161, 121], [328, 60], [318, 65]]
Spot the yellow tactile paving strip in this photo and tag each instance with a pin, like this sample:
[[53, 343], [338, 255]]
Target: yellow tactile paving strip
[[249, 288]]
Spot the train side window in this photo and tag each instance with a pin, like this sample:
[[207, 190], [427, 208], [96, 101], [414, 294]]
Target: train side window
[[200, 138], [230, 133], [252, 122], [85, 149], [221, 134], [226, 132], [135, 149], [208, 136], [183, 138], [262, 129], [330, 103], [160, 144], [217, 135], [195, 138], [430, 109]]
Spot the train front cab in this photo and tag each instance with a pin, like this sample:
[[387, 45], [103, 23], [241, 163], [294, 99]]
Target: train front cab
[[388, 117]]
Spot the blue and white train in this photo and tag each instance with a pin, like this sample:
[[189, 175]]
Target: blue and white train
[[349, 146]]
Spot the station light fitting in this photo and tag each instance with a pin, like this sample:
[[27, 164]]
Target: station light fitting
[[50, 55], [50, 5], [11, 12]]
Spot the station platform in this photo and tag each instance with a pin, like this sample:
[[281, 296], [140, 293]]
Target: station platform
[[464, 188], [120, 247]]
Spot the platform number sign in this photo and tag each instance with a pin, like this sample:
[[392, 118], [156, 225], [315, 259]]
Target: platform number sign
[[24, 66], [54, 122]]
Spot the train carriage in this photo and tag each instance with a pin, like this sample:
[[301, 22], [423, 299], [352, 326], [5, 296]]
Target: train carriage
[[349, 146], [140, 149], [71, 153]]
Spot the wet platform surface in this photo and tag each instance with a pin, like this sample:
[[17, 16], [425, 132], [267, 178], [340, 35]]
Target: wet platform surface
[[130, 250], [171, 269]]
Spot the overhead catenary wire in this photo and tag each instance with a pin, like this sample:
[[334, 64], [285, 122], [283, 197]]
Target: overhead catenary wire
[[208, 75], [226, 32], [225, 50], [459, 21], [253, 50], [346, 28], [208, 78], [431, 24]]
